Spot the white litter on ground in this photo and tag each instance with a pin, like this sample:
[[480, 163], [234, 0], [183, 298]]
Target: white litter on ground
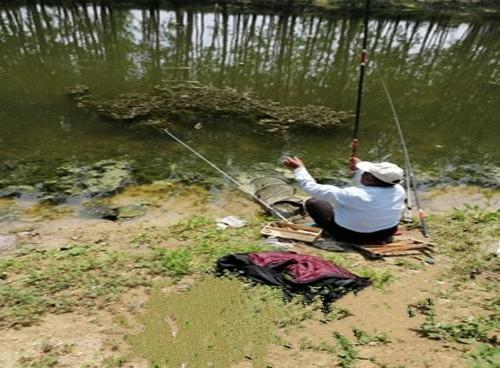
[[279, 244], [230, 221]]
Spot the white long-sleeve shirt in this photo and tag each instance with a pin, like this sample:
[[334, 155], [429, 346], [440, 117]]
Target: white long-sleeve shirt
[[364, 209]]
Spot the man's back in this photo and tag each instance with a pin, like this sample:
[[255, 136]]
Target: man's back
[[368, 209], [363, 209]]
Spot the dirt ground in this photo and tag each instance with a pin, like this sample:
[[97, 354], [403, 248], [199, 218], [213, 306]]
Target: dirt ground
[[96, 339]]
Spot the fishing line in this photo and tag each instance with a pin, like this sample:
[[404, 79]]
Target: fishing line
[[409, 203], [410, 177], [229, 177]]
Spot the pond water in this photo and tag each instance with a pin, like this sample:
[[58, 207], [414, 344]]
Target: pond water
[[444, 77]]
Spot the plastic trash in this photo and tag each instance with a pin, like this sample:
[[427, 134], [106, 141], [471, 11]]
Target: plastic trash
[[230, 221], [278, 243]]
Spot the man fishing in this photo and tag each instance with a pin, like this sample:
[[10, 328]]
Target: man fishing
[[366, 213]]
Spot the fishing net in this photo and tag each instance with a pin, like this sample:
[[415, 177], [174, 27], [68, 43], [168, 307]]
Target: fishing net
[[274, 190]]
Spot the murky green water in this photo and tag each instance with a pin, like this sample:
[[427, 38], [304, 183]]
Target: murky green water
[[444, 77]]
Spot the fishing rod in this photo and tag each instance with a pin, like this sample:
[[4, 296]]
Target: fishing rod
[[407, 216], [410, 177], [362, 64], [229, 177]]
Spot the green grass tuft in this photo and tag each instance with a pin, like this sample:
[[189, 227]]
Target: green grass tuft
[[485, 356], [173, 262], [364, 338], [346, 352], [379, 278], [468, 331], [462, 236]]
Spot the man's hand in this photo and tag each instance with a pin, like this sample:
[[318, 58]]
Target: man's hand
[[293, 162], [353, 162]]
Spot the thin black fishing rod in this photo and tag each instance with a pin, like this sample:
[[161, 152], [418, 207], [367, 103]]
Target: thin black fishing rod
[[362, 64], [410, 176]]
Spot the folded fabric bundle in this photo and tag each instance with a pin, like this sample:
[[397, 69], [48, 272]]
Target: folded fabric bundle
[[296, 273]]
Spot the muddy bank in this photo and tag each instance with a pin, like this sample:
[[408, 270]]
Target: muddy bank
[[116, 275], [192, 105], [88, 187]]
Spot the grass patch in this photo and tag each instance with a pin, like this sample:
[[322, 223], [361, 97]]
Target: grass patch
[[47, 357], [485, 356], [80, 276], [461, 235], [465, 236], [346, 352], [379, 278], [141, 240], [76, 276], [364, 338], [207, 243], [323, 347], [45, 361], [336, 314], [468, 331], [237, 324], [114, 362], [61, 280], [173, 262]]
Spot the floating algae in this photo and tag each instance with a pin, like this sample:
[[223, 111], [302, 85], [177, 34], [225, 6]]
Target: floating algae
[[214, 324], [190, 103], [102, 179]]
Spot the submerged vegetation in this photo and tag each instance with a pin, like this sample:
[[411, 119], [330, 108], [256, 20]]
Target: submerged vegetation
[[296, 60], [192, 104], [101, 179]]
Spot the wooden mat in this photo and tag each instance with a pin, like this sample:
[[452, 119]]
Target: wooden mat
[[400, 247]]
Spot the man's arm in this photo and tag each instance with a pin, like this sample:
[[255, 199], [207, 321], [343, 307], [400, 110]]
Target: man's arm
[[353, 162], [309, 185]]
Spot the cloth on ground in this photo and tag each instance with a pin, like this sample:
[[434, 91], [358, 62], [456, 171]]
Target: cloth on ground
[[295, 273]]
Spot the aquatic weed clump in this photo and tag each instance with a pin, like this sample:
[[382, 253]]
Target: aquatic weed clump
[[189, 103]]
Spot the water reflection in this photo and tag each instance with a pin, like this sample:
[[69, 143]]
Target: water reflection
[[443, 75]]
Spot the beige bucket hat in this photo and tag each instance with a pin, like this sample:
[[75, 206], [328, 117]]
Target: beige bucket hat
[[385, 171]]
